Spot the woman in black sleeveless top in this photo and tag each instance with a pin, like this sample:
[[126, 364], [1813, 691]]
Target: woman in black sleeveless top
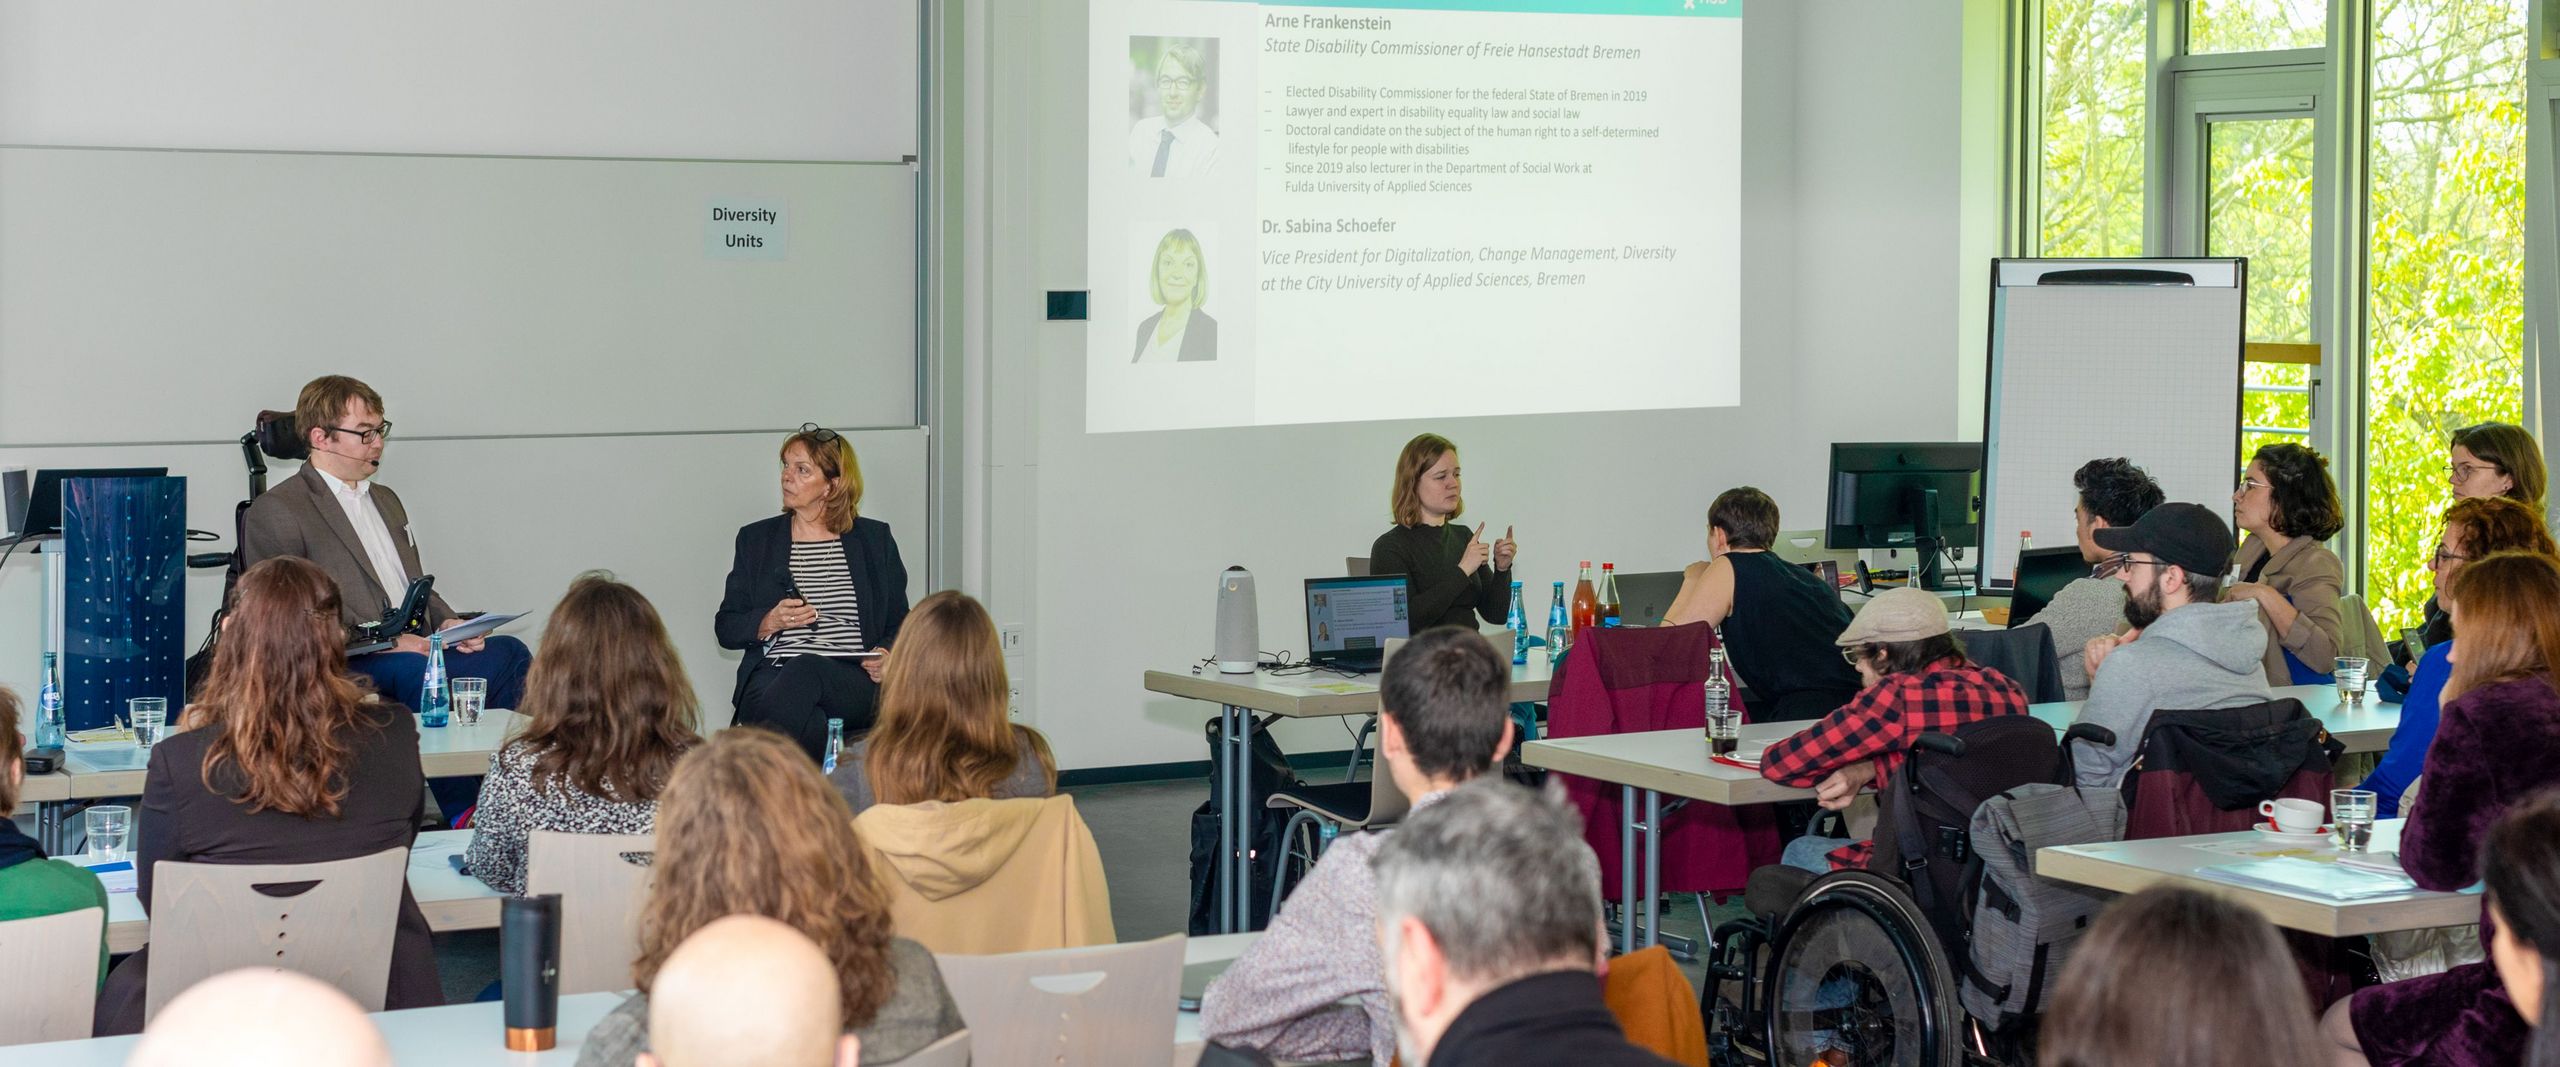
[[1778, 619], [1455, 575]]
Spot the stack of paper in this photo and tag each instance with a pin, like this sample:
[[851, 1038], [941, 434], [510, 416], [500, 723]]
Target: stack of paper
[[2329, 880]]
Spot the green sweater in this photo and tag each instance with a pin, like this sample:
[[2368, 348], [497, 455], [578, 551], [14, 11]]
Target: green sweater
[[50, 887]]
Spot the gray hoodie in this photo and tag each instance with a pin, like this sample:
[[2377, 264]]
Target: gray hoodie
[[2195, 657]]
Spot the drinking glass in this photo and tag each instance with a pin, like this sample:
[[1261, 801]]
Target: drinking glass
[[1724, 730], [469, 696], [2351, 813], [109, 826], [2350, 675], [148, 716]]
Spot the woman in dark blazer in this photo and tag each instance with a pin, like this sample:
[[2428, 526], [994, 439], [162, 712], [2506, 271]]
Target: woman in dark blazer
[[285, 758], [814, 595]]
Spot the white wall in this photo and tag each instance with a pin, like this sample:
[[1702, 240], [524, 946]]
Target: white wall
[[1106, 547]]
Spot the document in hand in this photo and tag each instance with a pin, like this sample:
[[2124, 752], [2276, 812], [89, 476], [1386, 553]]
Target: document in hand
[[479, 627]]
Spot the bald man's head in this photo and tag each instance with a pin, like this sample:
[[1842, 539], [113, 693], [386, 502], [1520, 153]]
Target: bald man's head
[[747, 989], [262, 1017]]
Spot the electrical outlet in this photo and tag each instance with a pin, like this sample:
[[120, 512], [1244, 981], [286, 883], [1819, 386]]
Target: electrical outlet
[[1014, 640], [1013, 698]]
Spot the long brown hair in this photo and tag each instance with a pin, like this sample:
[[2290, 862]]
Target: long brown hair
[[2506, 627], [747, 826], [1404, 502], [942, 733], [608, 701], [2511, 449], [833, 456], [2177, 977], [279, 698]]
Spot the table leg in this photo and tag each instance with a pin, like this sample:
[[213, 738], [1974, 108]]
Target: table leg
[[1626, 869], [1237, 906], [1652, 868], [49, 826]]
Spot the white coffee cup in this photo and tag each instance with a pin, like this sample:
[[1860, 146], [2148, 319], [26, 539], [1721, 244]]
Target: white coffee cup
[[2292, 816], [1751, 751]]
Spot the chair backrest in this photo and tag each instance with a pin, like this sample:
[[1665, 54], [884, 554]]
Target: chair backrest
[[53, 961], [1104, 1005], [951, 1051], [1356, 566], [2042, 572], [333, 921], [603, 881], [2205, 772], [2023, 653], [2359, 635]]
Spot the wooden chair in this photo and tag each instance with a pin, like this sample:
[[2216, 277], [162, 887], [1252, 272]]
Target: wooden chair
[[55, 958], [952, 1051], [602, 879], [333, 921], [1104, 1005]]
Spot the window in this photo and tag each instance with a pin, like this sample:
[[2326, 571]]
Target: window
[[2255, 25], [2093, 115], [2258, 173]]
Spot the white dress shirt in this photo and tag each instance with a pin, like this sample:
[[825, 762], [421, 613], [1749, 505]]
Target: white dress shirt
[[1195, 146], [379, 548]]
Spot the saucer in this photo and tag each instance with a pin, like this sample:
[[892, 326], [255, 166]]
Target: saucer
[[2270, 830]]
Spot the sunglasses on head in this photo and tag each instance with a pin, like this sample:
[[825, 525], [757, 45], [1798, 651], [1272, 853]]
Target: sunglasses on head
[[818, 433]]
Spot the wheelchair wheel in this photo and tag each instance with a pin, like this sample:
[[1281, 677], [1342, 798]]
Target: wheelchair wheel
[[1856, 979]]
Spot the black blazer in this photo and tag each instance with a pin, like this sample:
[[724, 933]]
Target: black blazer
[[1199, 338], [760, 576], [187, 819]]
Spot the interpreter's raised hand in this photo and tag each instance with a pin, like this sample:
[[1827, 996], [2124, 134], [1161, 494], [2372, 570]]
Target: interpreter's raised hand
[[1504, 550], [791, 612], [1476, 553]]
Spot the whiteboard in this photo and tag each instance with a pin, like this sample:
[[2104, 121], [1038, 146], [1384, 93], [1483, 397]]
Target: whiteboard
[[2080, 372], [169, 295]]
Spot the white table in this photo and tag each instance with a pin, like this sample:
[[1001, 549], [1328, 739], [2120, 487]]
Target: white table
[[99, 770], [464, 1034], [451, 899], [2365, 727], [1296, 695], [2130, 866]]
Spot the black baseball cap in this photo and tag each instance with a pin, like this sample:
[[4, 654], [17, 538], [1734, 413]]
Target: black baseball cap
[[2189, 536]]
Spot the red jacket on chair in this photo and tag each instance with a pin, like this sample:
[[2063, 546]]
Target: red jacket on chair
[[1623, 681]]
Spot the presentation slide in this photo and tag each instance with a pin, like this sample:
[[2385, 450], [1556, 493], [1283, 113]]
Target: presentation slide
[[1345, 210]]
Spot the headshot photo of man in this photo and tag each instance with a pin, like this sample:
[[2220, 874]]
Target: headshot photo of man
[[1170, 100]]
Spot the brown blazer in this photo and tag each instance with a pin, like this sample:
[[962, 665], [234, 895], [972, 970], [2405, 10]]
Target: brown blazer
[[189, 820], [2310, 576], [302, 518]]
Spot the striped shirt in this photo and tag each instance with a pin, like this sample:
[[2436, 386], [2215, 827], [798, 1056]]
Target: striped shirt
[[818, 570]]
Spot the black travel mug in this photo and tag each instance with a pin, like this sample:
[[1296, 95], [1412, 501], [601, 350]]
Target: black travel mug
[[529, 967]]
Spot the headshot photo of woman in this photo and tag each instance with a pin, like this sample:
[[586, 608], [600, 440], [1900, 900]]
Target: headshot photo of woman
[[1178, 282], [1172, 137]]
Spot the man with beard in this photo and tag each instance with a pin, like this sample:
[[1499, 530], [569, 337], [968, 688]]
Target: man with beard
[[2186, 649]]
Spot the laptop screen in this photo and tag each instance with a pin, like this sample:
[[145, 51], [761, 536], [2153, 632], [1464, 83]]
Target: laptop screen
[[1354, 617]]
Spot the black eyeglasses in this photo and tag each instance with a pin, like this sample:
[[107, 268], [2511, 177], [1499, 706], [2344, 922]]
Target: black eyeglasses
[[811, 430], [2116, 564], [378, 433]]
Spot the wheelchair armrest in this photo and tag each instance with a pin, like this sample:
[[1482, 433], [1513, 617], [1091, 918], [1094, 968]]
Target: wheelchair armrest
[[2090, 732], [1948, 744]]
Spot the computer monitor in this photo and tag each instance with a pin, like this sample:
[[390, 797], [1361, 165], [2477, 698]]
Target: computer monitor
[[1350, 620], [1903, 495], [44, 501]]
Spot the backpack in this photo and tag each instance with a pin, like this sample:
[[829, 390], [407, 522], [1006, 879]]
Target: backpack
[[1267, 770], [2023, 925]]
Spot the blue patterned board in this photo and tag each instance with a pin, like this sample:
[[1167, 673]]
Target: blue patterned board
[[124, 543]]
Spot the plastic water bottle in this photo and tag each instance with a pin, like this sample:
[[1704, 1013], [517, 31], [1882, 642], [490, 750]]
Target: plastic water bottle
[[1558, 630], [49, 731], [835, 742], [1519, 624], [435, 696]]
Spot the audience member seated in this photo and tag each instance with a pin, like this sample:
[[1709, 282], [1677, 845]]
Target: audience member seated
[[1442, 722], [809, 593], [1918, 681], [1489, 920], [2521, 865], [2178, 977], [2185, 651], [2112, 492], [943, 732], [747, 989], [2473, 528], [608, 710], [32, 886], [1783, 617], [334, 514], [2493, 459], [284, 758], [747, 826], [2497, 742], [2288, 505], [1456, 577], [261, 1018]]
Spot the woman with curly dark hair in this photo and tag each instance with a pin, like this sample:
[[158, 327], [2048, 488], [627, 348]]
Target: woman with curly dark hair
[[2288, 505]]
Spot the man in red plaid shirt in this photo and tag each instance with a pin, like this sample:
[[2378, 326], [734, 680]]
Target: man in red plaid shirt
[[1917, 680]]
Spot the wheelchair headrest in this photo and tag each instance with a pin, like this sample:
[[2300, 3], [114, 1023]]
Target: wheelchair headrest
[[278, 437]]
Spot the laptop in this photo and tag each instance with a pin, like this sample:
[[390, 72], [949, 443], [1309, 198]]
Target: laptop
[[1351, 619], [2042, 572], [43, 510], [1644, 598]]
